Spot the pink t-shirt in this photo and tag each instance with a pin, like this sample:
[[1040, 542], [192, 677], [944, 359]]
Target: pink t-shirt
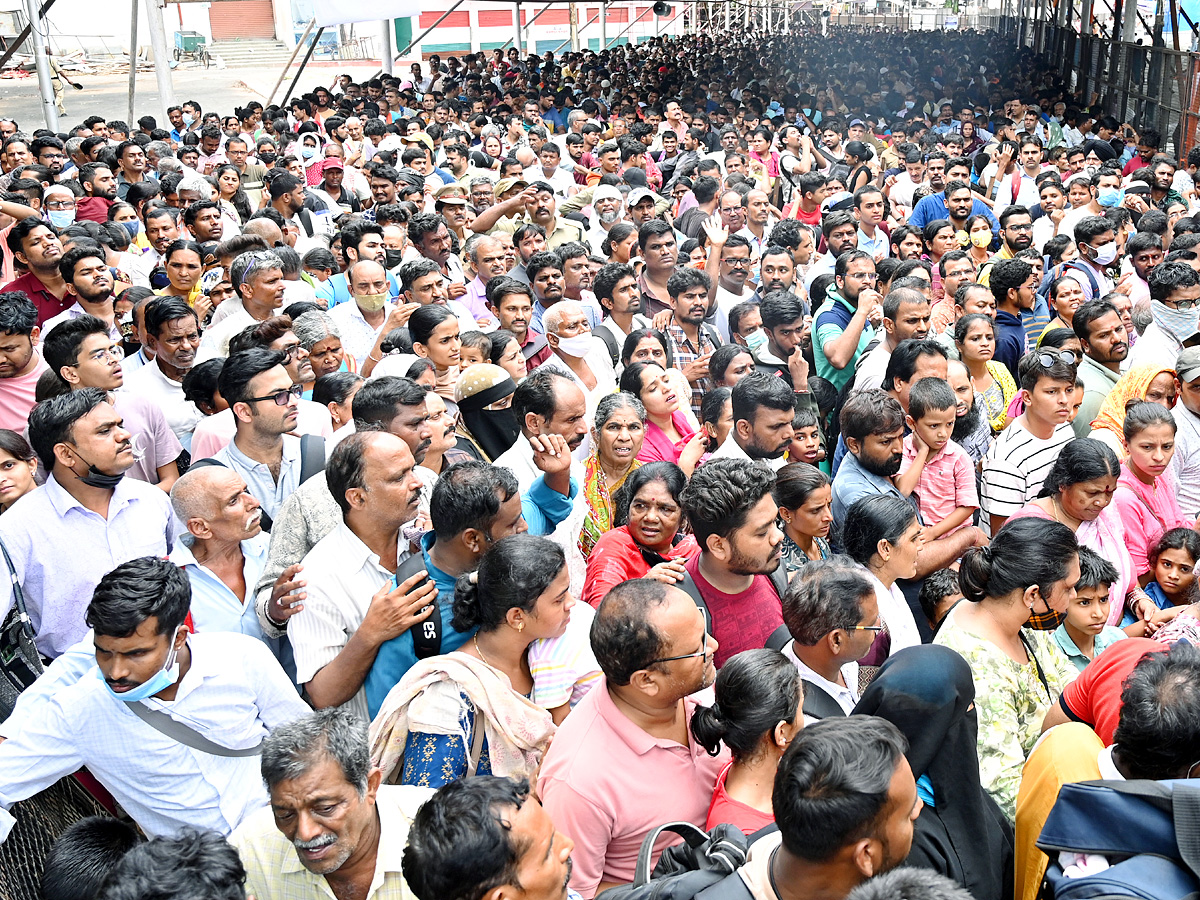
[[17, 397], [739, 621], [657, 446], [725, 810], [947, 482], [1147, 512]]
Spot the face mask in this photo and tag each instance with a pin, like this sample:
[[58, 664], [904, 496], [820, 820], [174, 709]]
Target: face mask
[[61, 218], [1182, 323], [755, 340], [370, 302], [188, 120], [392, 258], [909, 104], [307, 153], [981, 239], [577, 346], [133, 228], [159, 681], [1103, 256], [266, 158], [1110, 196]]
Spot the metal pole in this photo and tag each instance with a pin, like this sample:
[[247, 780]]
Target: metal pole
[[520, 34], [22, 37], [162, 56], [531, 21], [630, 25], [585, 25], [42, 61], [133, 54], [418, 38], [304, 62], [291, 59], [603, 23], [385, 52]]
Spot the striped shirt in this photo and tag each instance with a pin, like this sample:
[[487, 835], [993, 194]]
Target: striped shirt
[[1016, 466]]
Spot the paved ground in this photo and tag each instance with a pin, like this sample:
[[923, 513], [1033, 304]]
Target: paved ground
[[108, 95]]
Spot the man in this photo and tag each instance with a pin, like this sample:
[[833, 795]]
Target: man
[[172, 335], [869, 209], [361, 323], [83, 355], [955, 268], [940, 170], [535, 204], [332, 178], [757, 230], [776, 271], [615, 287], [1174, 297], [811, 189], [782, 355], [1011, 283], [660, 252], [205, 221], [529, 239], [845, 322], [609, 207], [361, 241], [512, 303], [162, 229], [692, 342], [845, 801], [763, 410], [1101, 331], [840, 229], [1096, 246], [576, 353], [1053, 200], [547, 283], [287, 198], [629, 736], [546, 404], [1186, 461], [141, 711], [257, 276], [99, 193], [36, 247], [488, 260], [1020, 458], [320, 761], [832, 614], [354, 604], [88, 279], [430, 235], [21, 365], [905, 316]]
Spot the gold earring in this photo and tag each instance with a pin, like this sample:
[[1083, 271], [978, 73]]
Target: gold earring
[[521, 626]]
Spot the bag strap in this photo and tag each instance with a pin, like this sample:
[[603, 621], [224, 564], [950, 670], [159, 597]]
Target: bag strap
[[695, 837], [532, 349], [477, 735], [779, 638], [312, 456], [689, 587], [614, 352], [18, 592], [731, 887], [184, 734], [1036, 664], [427, 634]]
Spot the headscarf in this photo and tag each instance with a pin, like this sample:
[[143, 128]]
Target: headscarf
[[928, 693], [493, 430], [1129, 387]]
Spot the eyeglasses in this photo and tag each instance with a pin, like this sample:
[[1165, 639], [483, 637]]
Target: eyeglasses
[[1047, 358], [1026, 227], [281, 397], [114, 352], [703, 651], [60, 204], [1185, 304], [737, 263], [290, 352]]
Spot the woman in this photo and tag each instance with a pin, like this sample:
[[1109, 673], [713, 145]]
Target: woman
[[668, 432], [646, 542], [883, 534], [1018, 674], [940, 239], [756, 712], [308, 148], [318, 334], [975, 338], [184, 264], [650, 345], [716, 418], [474, 711], [126, 216], [621, 243], [335, 392], [972, 142], [616, 441], [493, 148], [858, 155], [762, 152], [1151, 382], [1078, 492], [1146, 496], [1066, 296], [927, 692], [484, 397], [18, 465], [805, 501], [506, 353], [729, 364], [434, 331], [231, 195], [979, 239]]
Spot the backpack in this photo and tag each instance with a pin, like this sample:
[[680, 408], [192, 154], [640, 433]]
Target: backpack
[[704, 866], [1148, 830]]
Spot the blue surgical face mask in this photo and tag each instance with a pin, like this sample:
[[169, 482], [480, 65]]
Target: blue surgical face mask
[[756, 340], [133, 227], [188, 119], [307, 153], [61, 218], [1110, 196], [159, 681]]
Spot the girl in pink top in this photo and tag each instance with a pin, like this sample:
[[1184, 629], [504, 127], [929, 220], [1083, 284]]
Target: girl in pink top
[[669, 436], [1146, 490], [756, 714]]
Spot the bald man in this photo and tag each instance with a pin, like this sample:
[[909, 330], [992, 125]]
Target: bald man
[[224, 552]]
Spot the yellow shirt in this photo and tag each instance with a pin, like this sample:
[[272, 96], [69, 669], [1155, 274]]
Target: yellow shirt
[[274, 871]]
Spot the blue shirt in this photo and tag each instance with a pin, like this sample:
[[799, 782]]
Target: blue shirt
[[260, 483], [853, 482], [1010, 341], [1109, 635], [933, 207], [214, 605], [335, 290], [829, 323], [544, 508]]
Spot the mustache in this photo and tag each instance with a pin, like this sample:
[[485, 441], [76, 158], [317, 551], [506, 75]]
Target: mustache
[[316, 843]]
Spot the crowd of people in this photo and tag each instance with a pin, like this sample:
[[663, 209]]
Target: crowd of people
[[536, 450]]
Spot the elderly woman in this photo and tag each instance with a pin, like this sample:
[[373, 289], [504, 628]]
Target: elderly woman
[[616, 440], [1150, 381], [318, 334], [576, 353]]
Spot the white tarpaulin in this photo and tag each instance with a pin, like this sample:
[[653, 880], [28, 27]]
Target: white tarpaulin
[[343, 12]]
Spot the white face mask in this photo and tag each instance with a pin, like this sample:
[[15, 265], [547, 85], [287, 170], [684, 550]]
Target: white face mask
[[1105, 254], [577, 346]]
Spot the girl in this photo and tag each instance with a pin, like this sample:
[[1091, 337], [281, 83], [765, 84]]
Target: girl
[[975, 337], [1174, 567], [434, 331], [18, 464]]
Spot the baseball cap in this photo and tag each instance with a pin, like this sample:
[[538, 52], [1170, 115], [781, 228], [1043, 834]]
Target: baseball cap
[[504, 185], [334, 162], [420, 137], [854, 122], [1187, 366], [637, 195]]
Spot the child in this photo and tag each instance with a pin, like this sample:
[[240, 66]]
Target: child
[[1084, 634], [1076, 400], [939, 592], [939, 470], [476, 348], [806, 439], [1173, 564]]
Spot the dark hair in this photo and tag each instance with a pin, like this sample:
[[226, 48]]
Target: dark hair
[[795, 482], [1158, 732], [18, 314], [70, 259], [83, 857], [875, 518], [1006, 275], [623, 640], [52, 421], [1175, 539], [722, 492], [426, 319], [832, 783], [754, 692], [136, 591], [927, 395], [514, 572], [907, 882], [870, 412], [685, 278], [193, 865], [460, 845], [1094, 570], [537, 394], [721, 359], [335, 387], [759, 390], [61, 345], [636, 336], [1142, 414], [825, 595], [469, 495], [608, 277], [902, 364], [374, 406], [1168, 277], [166, 309], [631, 377], [1080, 460], [935, 588], [241, 368], [658, 472], [1026, 551], [780, 308], [1030, 370], [1087, 313]]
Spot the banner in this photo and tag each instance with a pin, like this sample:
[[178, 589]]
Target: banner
[[343, 12]]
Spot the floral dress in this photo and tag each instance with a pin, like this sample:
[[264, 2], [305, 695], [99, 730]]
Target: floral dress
[[997, 397], [1010, 699], [795, 558]]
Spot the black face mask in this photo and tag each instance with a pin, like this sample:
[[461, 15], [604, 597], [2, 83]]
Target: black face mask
[[266, 158], [97, 479], [392, 258]]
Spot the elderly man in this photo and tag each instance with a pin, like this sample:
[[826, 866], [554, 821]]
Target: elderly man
[[169, 723], [361, 322], [361, 241], [577, 353], [609, 206], [487, 257], [257, 276], [629, 737], [296, 847]]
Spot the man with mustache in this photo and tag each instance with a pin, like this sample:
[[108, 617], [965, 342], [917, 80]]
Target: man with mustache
[[763, 410], [329, 812], [173, 336], [87, 518], [1101, 331], [89, 280]]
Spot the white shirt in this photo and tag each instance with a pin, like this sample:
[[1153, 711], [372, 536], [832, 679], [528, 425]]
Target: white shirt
[[74, 312], [1186, 461], [182, 415], [357, 334], [600, 363], [214, 606], [215, 343], [234, 693], [731, 449], [845, 695]]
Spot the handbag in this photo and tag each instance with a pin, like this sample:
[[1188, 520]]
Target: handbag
[[20, 662]]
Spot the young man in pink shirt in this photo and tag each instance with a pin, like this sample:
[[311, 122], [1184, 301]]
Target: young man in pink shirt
[[21, 365]]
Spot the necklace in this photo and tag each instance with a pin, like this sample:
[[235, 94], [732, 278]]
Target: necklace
[[1058, 508], [480, 651]]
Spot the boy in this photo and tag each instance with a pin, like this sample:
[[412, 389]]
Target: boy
[[806, 439], [939, 593], [476, 349], [1085, 632], [939, 470]]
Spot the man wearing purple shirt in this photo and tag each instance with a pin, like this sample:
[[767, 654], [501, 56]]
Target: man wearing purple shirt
[[487, 257]]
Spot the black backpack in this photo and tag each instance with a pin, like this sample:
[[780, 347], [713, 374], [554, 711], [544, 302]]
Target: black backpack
[[703, 867]]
